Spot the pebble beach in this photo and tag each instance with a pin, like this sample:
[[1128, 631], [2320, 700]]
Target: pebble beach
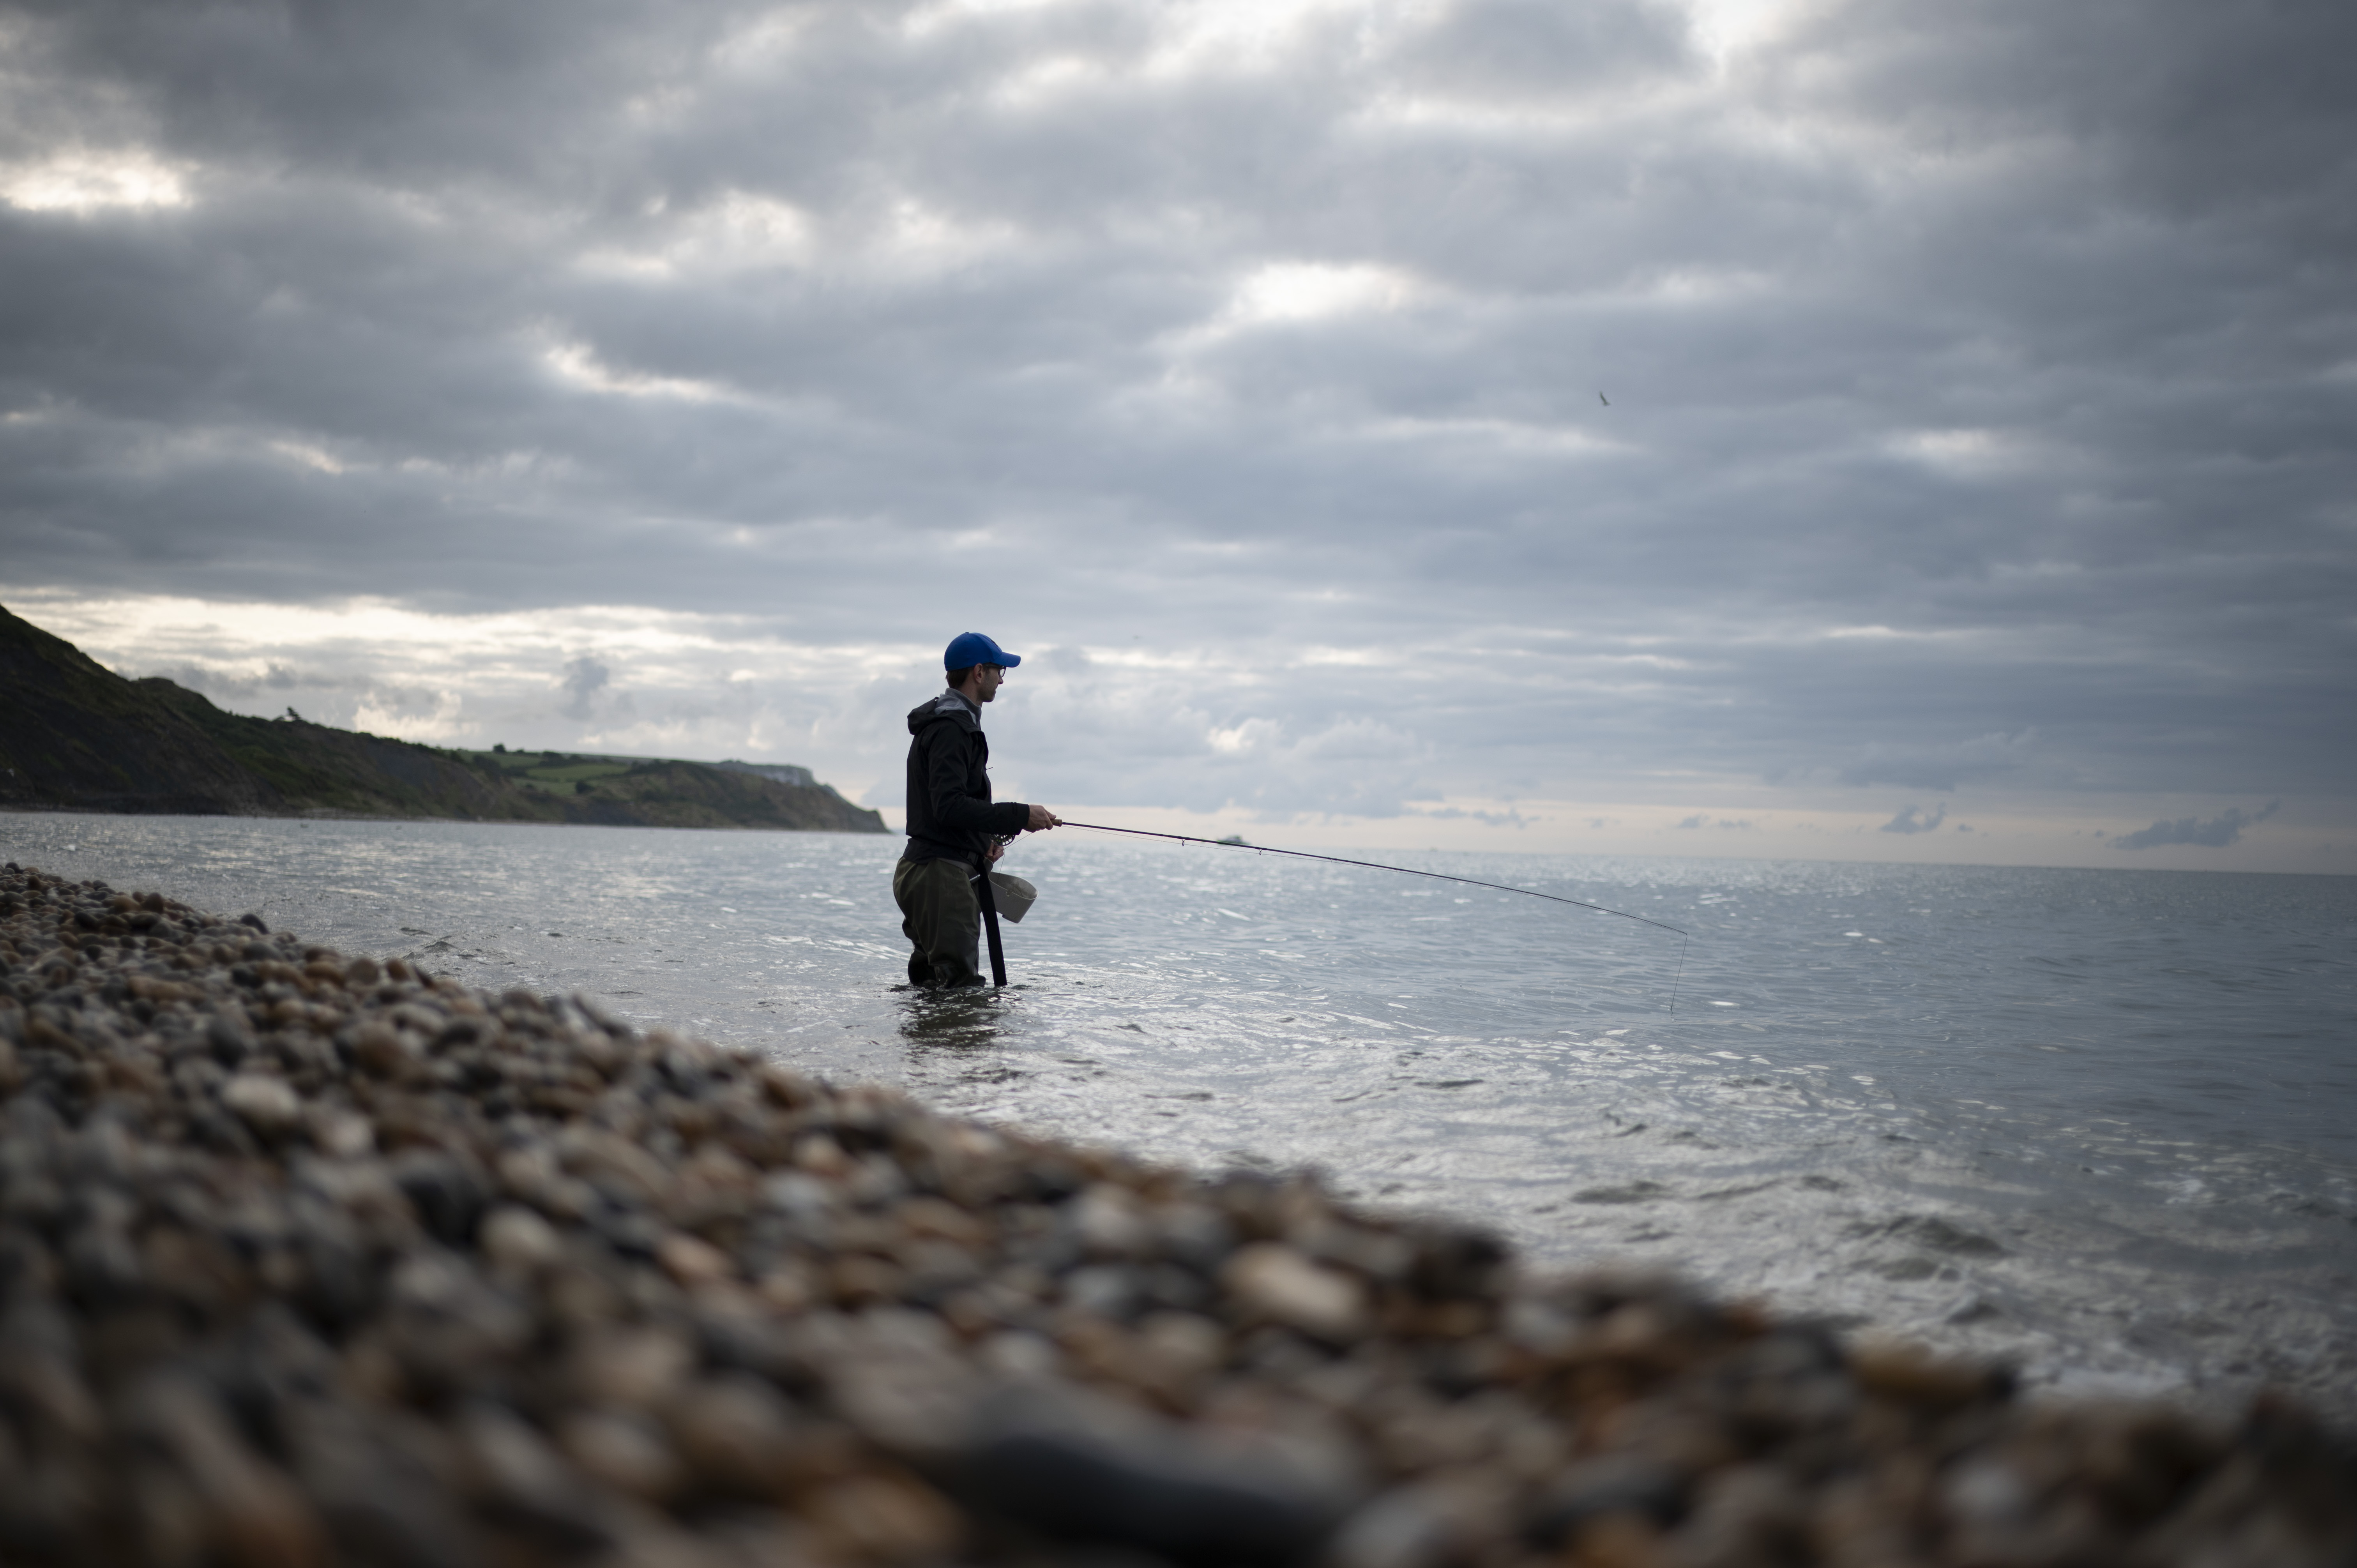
[[309, 1259]]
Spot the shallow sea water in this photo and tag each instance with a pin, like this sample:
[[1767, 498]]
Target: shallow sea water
[[2102, 1123]]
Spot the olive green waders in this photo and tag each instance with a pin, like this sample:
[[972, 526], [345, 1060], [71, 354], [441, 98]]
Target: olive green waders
[[942, 919]]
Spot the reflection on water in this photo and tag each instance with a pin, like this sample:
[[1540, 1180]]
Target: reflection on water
[[2097, 1121], [952, 1022]]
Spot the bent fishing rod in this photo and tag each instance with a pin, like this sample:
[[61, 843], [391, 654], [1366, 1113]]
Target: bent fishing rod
[[1411, 871]]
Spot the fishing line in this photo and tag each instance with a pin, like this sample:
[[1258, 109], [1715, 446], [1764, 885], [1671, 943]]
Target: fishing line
[[1411, 871]]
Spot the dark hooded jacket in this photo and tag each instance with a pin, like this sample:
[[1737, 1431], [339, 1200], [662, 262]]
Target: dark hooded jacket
[[950, 816]]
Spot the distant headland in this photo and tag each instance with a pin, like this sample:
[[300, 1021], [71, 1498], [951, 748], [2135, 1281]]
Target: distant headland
[[76, 736]]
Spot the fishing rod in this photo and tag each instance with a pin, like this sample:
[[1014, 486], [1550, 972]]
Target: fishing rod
[[1683, 938]]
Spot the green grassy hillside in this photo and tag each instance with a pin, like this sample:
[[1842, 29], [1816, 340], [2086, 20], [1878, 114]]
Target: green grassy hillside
[[76, 736]]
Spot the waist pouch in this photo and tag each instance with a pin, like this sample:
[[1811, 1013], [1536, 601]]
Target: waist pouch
[[1012, 894]]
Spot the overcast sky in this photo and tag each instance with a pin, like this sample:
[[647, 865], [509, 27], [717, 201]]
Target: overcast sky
[[1978, 474]]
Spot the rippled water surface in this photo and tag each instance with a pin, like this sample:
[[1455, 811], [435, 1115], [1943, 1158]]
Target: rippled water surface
[[2103, 1123]]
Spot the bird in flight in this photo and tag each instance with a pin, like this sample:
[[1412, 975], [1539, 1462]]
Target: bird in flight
[[1602, 399]]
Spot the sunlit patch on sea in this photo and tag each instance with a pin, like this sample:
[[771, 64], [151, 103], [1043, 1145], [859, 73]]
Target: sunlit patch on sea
[[2103, 1123]]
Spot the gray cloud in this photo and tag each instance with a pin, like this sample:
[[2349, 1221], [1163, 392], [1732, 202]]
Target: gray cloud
[[1507, 818], [1533, 52], [1939, 767], [1987, 425], [1909, 821], [584, 678], [2213, 833], [236, 686]]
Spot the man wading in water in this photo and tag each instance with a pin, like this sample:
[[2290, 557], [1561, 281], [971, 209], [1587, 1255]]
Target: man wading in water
[[954, 828]]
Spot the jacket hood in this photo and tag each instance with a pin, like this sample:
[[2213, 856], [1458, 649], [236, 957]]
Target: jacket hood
[[944, 704]]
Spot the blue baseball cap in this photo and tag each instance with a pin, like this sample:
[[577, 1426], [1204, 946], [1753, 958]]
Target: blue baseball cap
[[971, 648]]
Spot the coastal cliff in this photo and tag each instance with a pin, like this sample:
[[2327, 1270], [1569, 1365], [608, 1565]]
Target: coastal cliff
[[74, 736]]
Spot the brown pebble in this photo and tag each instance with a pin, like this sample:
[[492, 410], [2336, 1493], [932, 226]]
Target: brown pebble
[[1273, 1282], [518, 1241], [269, 1105], [886, 1519], [624, 1451], [1912, 1376], [251, 1515], [736, 1434], [691, 1262]]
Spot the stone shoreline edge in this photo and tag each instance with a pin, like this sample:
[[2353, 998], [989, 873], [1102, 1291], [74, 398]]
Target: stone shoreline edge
[[305, 1260]]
